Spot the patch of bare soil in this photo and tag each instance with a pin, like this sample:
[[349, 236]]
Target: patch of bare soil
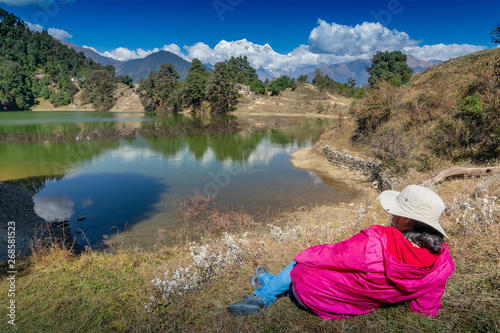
[[305, 100], [127, 100]]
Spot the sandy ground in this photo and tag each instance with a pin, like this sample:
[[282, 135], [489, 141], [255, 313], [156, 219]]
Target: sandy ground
[[308, 159]]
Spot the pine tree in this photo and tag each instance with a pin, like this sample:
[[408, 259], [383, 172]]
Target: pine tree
[[221, 92]]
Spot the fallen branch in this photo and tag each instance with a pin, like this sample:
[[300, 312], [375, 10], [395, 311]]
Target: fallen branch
[[460, 172]]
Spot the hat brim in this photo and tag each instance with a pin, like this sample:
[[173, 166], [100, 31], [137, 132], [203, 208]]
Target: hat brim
[[388, 201]]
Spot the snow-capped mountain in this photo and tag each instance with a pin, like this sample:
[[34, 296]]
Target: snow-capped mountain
[[268, 63], [243, 47]]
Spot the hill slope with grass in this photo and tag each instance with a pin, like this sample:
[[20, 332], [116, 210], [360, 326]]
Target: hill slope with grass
[[447, 114]]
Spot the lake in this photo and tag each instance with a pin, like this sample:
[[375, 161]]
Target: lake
[[119, 174]]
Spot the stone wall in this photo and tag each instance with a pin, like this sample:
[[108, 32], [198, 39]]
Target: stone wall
[[372, 169]]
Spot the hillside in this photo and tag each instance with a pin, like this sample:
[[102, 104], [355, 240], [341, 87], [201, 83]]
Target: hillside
[[35, 65], [127, 100], [447, 113], [89, 53], [140, 68], [305, 99]]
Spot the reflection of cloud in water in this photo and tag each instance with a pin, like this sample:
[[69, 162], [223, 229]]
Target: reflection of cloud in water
[[129, 153], [265, 152], [87, 202], [54, 207], [207, 158], [315, 178]]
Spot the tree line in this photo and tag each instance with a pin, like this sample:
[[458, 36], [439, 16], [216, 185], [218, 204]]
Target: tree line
[[215, 91], [35, 65]]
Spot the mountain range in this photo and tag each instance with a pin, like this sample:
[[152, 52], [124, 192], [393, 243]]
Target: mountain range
[[137, 68], [140, 68]]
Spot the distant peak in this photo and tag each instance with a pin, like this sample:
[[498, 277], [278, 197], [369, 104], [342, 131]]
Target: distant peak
[[243, 46]]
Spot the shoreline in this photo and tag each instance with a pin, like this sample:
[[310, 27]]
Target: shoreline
[[307, 159]]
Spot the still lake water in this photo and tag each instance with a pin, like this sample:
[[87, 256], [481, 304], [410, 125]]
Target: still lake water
[[131, 184]]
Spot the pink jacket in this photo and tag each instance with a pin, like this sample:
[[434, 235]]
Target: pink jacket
[[359, 275]]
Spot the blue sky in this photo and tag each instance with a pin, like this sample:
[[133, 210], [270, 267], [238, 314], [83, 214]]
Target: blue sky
[[309, 31]]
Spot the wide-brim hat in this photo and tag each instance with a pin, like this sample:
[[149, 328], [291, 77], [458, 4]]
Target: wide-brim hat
[[417, 203]]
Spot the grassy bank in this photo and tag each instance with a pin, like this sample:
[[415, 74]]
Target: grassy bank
[[100, 292]]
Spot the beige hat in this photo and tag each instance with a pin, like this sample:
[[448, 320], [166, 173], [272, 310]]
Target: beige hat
[[417, 203]]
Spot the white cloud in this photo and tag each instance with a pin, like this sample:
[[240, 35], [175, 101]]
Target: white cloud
[[59, 33], [203, 52], [124, 54], [175, 49], [441, 51], [365, 38], [34, 27], [328, 43], [90, 47]]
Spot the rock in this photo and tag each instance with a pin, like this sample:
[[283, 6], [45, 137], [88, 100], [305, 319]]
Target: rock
[[372, 169]]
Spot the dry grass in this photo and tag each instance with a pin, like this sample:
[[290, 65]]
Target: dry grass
[[420, 125], [305, 99]]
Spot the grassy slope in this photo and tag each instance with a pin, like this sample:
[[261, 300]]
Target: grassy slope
[[98, 292], [415, 112]]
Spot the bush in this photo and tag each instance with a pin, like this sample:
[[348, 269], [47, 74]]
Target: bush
[[258, 87], [61, 98], [281, 84], [470, 107]]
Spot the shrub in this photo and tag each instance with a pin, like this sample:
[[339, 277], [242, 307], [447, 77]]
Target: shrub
[[209, 261], [204, 215], [470, 107]]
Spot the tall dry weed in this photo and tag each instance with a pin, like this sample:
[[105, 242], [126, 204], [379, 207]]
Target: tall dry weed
[[202, 214]]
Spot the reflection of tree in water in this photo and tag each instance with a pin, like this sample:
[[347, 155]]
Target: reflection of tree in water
[[48, 159], [200, 132], [198, 145], [34, 184], [169, 146], [299, 135], [53, 132], [229, 146], [236, 147]]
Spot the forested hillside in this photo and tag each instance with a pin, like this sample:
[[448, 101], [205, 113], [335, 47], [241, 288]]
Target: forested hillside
[[33, 64]]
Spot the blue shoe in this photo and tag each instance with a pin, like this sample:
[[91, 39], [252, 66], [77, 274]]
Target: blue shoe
[[255, 280], [248, 305]]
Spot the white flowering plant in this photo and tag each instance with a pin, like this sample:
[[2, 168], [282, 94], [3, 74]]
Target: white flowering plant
[[209, 260]]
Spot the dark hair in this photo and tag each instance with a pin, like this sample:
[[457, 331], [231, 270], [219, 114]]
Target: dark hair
[[426, 237]]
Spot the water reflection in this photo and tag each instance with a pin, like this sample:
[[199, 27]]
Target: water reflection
[[32, 127], [131, 183], [57, 207], [21, 161], [110, 203]]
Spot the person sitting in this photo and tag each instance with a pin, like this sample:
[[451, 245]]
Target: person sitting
[[407, 261]]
